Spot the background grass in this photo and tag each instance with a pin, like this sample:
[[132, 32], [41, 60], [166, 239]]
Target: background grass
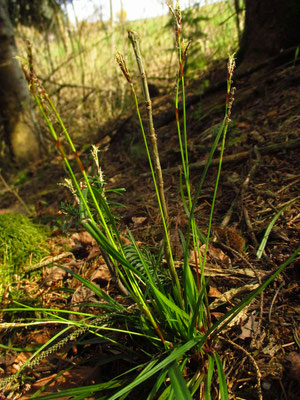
[[77, 68]]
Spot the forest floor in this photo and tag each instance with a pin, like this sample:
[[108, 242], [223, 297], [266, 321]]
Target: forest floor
[[260, 176]]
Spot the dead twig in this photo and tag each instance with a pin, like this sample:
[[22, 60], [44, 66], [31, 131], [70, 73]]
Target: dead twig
[[48, 261], [230, 294], [251, 358], [233, 273], [243, 191], [259, 279], [16, 194], [273, 300], [273, 148]]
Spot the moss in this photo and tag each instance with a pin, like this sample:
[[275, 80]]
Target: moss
[[22, 242]]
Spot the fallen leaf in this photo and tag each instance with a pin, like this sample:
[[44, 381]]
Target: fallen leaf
[[101, 274], [271, 349], [18, 362], [94, 252], [124, 239], [82, 295], [53, 274], [249, 328], [139, 220], [83, 238], [215, 254], [217, 314], [232, 293], [214, 292], [69, 379], [40, 337]]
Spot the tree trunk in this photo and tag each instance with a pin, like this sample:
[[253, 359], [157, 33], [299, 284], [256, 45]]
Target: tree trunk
[[14, 96], [270, 27]]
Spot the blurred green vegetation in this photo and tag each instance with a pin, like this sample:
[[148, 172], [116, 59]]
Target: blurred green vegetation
[[77, 66]]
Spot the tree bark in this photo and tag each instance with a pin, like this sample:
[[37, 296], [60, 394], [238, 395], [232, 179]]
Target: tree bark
[[14, 96], [270, 27]]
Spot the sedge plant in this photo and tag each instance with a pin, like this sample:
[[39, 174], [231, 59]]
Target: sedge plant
[[166, 312]]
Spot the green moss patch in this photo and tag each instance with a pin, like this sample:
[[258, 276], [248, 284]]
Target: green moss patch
[[22, 242]]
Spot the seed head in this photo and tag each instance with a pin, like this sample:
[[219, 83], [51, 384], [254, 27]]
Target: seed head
[[231, 65], [122, 64]]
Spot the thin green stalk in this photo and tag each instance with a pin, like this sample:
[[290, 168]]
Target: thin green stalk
[[61, 150], [111, 232], [229, 102], [41, 96], [159, 189], [183, 144], [45, 103], [134, 38], [103, 222]]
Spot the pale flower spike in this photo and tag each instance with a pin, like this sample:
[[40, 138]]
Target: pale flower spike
[[69, 185], [231, 64], [95, 150]]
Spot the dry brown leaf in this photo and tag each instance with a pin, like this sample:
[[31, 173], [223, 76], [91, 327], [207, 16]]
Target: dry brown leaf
[[82, 295], [94, 252], [230, 294], [40, 337], [83, 238], [124, 239], [139, 220], [217, 314], [271, 349], [215, 254], [239, 319], [54, 274], [101, 273], [17, 362], [249, 328], [214, 292], [69, 379]]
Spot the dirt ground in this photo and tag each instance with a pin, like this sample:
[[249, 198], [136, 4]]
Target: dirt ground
[[260, 175]]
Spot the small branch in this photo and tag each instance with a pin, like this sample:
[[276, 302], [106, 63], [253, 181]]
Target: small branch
[[244, 188], [273, 148], [258, 373], [16, 194], [226, 297], [48, 261]]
